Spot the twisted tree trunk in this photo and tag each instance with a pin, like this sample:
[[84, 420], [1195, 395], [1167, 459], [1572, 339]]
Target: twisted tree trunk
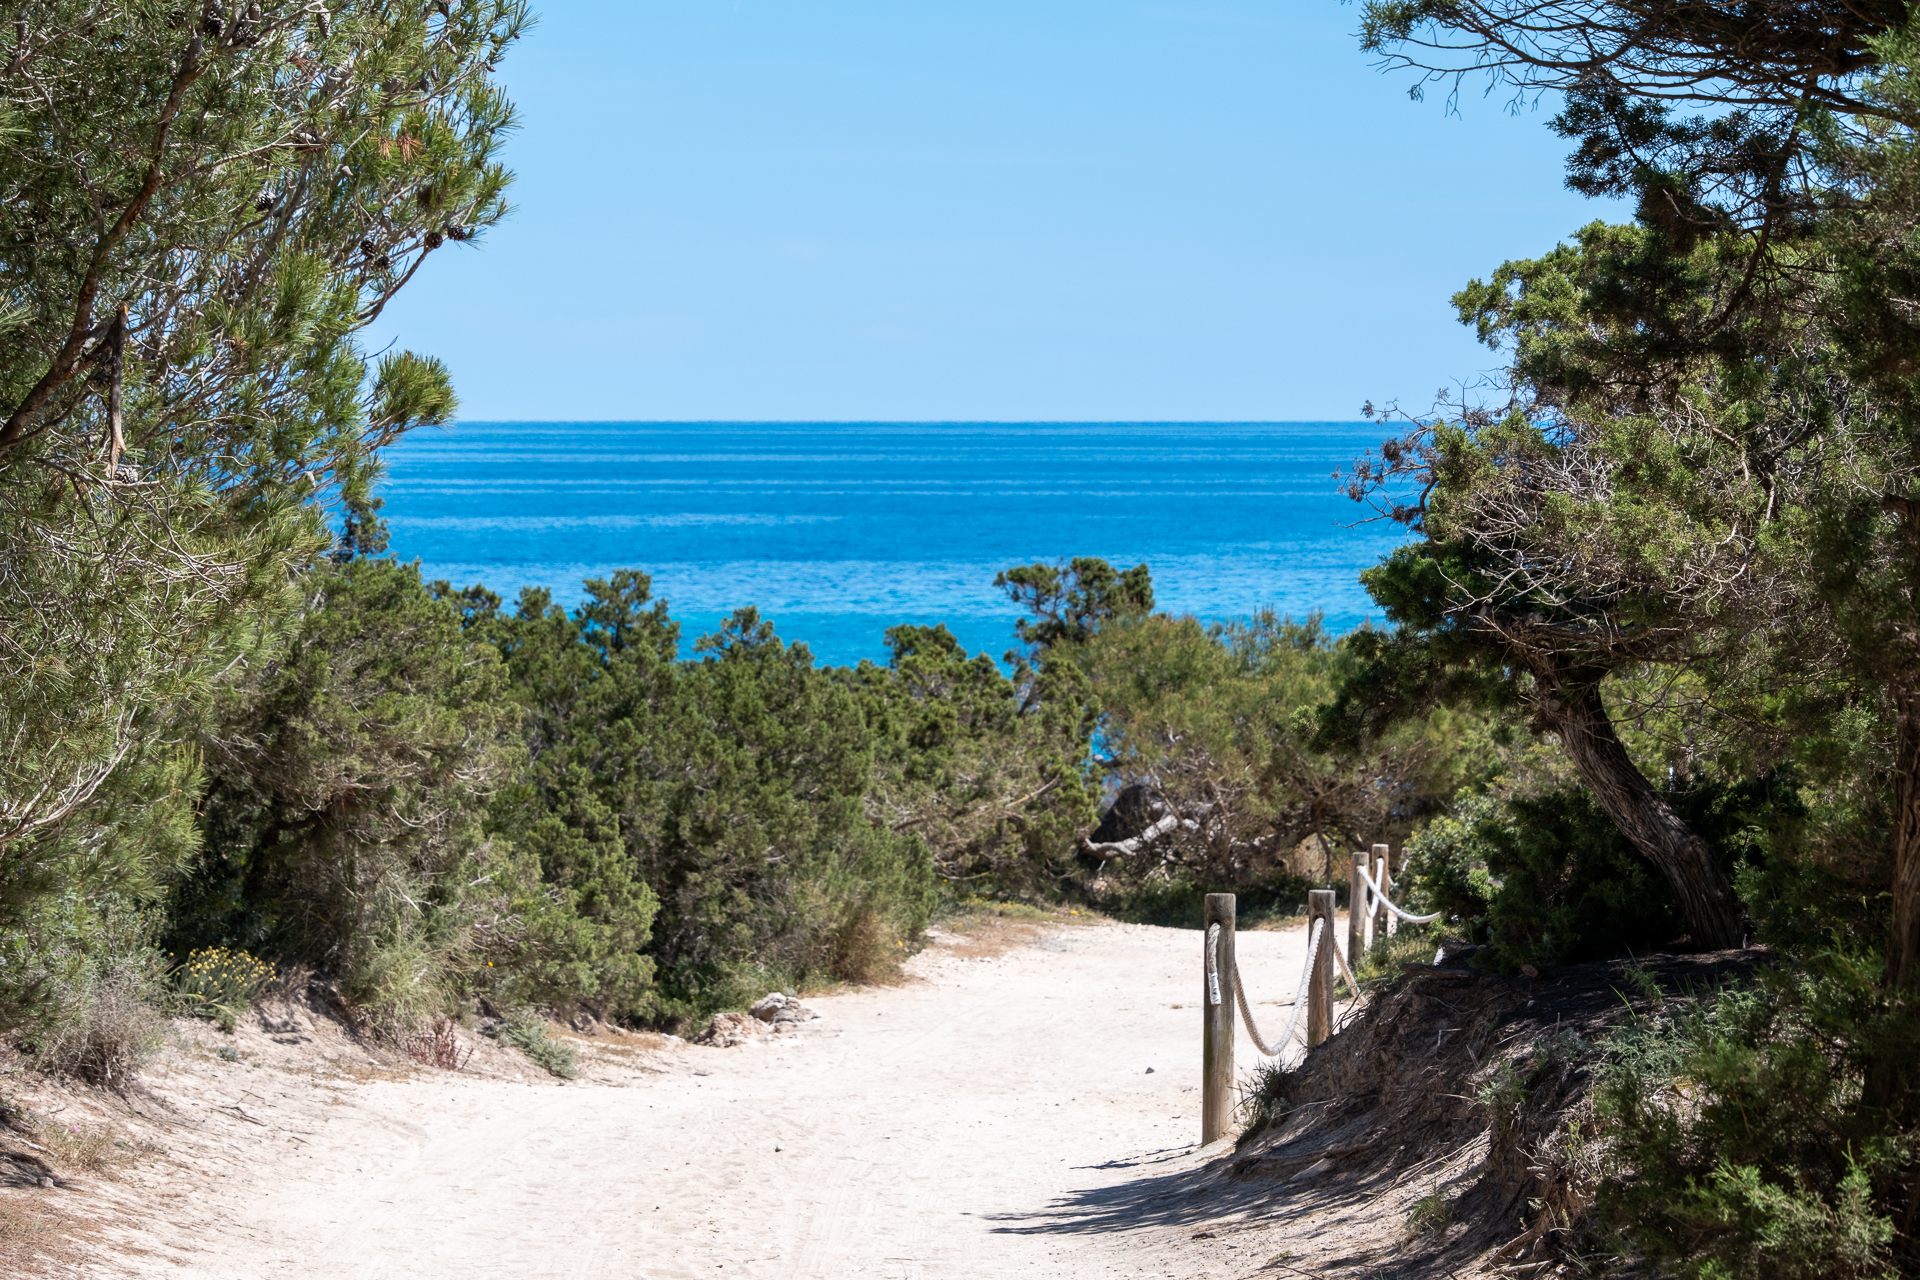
[[1891, 1076], [1570, 703], [1903, 948]]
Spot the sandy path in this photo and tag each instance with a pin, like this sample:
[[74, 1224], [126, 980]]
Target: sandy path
[[992, 1117]]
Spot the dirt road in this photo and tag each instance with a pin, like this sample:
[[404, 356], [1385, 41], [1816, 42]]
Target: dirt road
[[1024, 1109]]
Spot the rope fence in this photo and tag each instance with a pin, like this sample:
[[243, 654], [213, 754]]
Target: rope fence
[[1240, 989], [1377, 897], [1370, 911]]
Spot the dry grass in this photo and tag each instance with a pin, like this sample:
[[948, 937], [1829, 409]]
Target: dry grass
[[63, 1143], [1411, 944], [36, 1240], [628, 1041], [866, 951], [93, 1148], [980, 929], [1275, 922], [437, 1046], [119, 1030], [614, 1042], [19, 1221], [24, 1231], [973, 910], [363, 1070], [984, 937]]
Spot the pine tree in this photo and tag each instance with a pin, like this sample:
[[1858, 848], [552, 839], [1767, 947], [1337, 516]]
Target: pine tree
[[201, 205]]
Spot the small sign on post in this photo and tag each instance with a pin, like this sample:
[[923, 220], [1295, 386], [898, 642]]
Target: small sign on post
[[1320, 983], [1216, 1018]]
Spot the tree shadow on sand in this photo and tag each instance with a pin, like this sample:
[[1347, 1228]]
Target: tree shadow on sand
[[1174, 1197]]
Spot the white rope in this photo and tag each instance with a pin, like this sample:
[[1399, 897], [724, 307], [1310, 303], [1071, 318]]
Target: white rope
[[1379, 899], [1299, 1001], [1300, 992], [1213, 963], [1299, 995]]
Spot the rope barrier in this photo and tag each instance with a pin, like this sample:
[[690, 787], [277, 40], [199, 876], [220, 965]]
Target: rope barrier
[[1240, 989], [1299, 996], [1377, 899]]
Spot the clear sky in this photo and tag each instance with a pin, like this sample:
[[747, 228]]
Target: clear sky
[[835, 209]]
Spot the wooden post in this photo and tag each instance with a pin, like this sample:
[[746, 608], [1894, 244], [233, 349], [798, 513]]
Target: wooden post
[[1216, 1020], [1320, 984], [1383, 919], [1358, 918]]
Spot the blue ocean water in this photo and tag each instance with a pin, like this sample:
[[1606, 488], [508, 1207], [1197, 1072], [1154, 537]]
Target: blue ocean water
[[838, 531]]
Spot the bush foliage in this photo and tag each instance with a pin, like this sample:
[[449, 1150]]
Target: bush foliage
[[1748, 1128], [221, 984]]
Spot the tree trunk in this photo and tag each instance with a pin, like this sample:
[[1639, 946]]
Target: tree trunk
[[1890, 1078], [1903, 948], [1574, 709]]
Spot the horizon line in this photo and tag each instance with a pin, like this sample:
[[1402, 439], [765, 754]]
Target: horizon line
[[927, 422]]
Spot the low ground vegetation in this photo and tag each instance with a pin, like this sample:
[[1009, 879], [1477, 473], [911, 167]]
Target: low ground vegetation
[[527, 1032]]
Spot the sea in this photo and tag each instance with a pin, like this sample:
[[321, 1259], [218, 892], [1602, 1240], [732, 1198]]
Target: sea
[[837, 531]]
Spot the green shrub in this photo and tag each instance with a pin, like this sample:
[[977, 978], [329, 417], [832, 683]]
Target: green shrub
[[1432, 1212], [110, 1027], [1572, 887], [80, 902], [1447, 864], [1546, 880], [1549, 879], [527, 1032], [1409, 943], [991, 772], [1746, 1137], [349, 769], [701, 826], [220, 984], [1268, 1099]]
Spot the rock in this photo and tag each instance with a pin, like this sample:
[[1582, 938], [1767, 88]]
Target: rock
[[729, 1029], [781, 1010]]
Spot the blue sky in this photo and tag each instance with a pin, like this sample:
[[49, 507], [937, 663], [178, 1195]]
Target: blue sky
[[742, 209]]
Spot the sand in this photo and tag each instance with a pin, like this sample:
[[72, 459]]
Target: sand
[[1019, 1106]]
